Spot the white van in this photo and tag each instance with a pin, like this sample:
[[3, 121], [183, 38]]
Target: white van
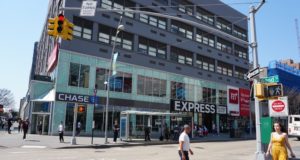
[[294, 126]]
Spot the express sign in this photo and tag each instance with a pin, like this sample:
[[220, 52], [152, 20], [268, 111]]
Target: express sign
[[278, 108], [186, 106]]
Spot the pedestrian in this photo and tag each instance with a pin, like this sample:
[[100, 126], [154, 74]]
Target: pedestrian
[[61, 129], [20, 125], [116, 131], [78, 128], [176, 133], [147, 134], [184, 143], [9, 124], [40, 128], [167, 133], [279, 143], [25, 126], [214, 129]]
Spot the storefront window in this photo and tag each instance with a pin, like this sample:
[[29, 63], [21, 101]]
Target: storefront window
[[151, 86], [181, 91], [222, 97], [121, 82], [79, 75], [41, 107], [81, 117], [209, 95]]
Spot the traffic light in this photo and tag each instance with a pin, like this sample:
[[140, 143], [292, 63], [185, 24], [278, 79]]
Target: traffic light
[[81, 109], [1, 108], [67, 33], [60, 24], [260, 91], [52, 27], [274, 90]]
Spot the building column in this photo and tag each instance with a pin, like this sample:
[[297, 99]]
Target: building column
[[168, 52], [136, 43], [95, 32], [89, 118]]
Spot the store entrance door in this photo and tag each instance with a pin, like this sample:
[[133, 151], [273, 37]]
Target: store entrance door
[[42, 124]]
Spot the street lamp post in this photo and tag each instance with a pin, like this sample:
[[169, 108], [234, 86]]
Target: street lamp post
[[93, 126], [119, 28], [259, 152]]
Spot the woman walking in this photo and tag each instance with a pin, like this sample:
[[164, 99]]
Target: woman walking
[[279, 144]]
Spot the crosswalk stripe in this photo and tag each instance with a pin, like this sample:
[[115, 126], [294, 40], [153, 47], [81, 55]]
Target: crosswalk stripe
[[33, 147]]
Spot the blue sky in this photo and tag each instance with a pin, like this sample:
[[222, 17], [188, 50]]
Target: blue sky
[[22, 23]]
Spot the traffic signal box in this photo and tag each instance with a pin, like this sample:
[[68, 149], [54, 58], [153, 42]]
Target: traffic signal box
[[67, 33], [266, 91], [60, 27], [52, 27], [81, 109]]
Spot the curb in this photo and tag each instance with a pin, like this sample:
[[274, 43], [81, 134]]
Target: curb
[[106, 146]]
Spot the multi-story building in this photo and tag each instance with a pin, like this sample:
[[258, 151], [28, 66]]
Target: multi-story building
[[288, 74], [160, 59]]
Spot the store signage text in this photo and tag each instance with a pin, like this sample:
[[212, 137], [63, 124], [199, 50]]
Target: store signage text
[[186, 106], [68, 97], [233, 96]]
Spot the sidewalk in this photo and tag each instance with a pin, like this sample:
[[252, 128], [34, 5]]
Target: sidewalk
[[43, 141]]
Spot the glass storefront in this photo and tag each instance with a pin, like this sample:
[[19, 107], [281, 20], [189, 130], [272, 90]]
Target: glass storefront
[[135, 84]]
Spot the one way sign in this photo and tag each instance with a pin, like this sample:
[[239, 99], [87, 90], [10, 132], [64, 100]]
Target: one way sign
[[253, 73]]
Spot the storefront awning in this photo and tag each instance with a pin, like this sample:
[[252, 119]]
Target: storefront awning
[[153, 113], [47, 97]]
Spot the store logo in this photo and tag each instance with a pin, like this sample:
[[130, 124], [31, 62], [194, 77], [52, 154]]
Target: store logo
[[186, 106], [233, 96]]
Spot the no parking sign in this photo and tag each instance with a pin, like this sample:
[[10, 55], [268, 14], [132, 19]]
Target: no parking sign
[[279, 107]]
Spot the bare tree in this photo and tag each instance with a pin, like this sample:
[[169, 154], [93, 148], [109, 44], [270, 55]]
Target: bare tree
[[7, 98]]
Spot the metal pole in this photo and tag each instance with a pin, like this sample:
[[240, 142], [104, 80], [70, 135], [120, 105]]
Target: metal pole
[[259, 152], [108, 78], [73, 141], [93, 125]]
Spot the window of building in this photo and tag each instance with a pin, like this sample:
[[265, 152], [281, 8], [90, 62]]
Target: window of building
[[153, 20], [205, 63], [121, 82], [240, 33], [222, 97], [224, 45], [152, 48], [225, 68], [224, 25], [151, 86], [241, 52], [182, 29], [181, 56], [81, 117], [119, 4], [240, 72], [184, 6], [82, 28], [107, 35], [79, 75], [205, 16], [205, 38], [209, 95]]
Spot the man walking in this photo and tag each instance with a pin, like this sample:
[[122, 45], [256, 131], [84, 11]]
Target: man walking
[[25, 127], [61, 132], [184, 143], [116, 131]]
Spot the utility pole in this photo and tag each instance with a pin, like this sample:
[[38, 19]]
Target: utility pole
[[259, 150]]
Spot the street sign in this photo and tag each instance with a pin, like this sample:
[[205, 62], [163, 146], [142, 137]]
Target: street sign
[[253, 73], [275, 90], [88, 8], [279, 107], [271, 79]]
